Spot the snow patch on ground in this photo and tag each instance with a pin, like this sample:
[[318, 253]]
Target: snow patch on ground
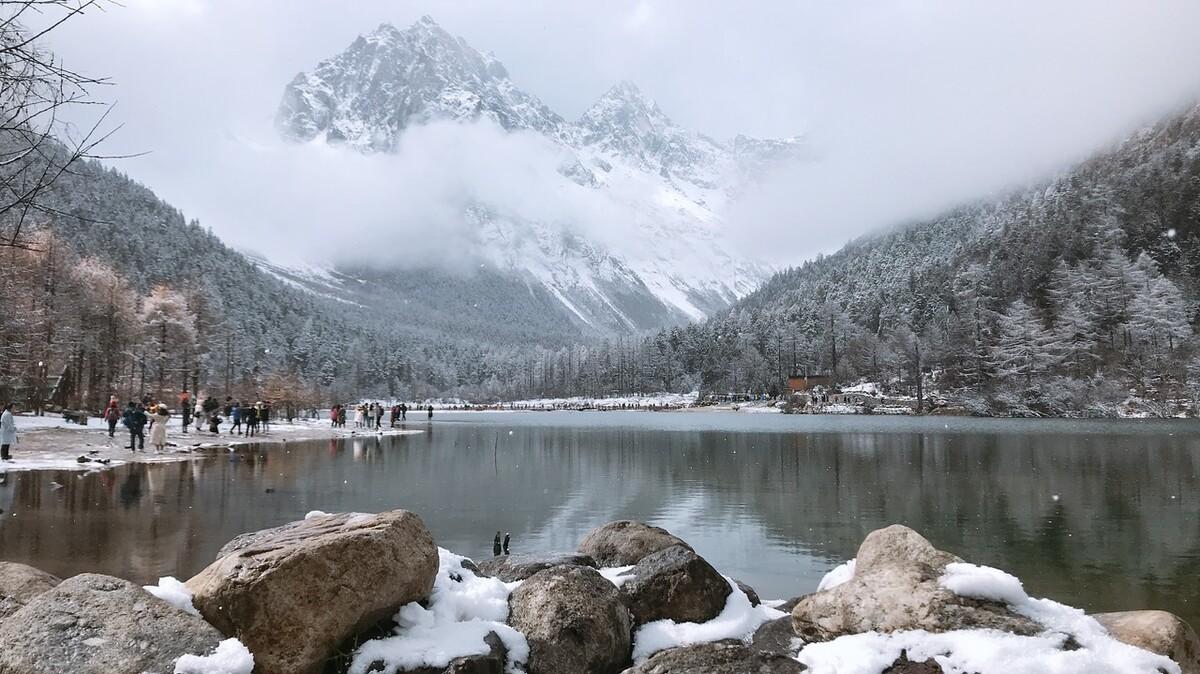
[[463, 609], [738, 620], [174, 593], [617, 402], [231, 657], [840, 574]]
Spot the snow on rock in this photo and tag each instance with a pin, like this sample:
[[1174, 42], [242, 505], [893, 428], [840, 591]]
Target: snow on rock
[[840, 574], [987, 651], [174, 593], [617, 575], [463, 609], [231, 657], [738, 620], [983, 582]]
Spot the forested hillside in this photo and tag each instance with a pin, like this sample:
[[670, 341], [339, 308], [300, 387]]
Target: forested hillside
[[1067, 297]]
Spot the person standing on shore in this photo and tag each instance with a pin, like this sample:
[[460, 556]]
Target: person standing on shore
[[430, 411], [185, 410], [403, 411], [235, 416], [378, 416], [8, 432], [341, 416], [112, 414], [198, 414], [158, 427], [333, 416], [135, 421]]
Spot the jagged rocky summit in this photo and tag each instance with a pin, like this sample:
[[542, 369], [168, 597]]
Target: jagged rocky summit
[[666, 185]]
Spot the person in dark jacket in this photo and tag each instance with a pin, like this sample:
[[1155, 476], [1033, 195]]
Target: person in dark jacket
[[135, 420], [235, 416], [250, 417], [403, 411], [378, 415], [430, 411]]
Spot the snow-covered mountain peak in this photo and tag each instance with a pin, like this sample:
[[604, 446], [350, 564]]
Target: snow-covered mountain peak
[[390, 79], [661, 258]]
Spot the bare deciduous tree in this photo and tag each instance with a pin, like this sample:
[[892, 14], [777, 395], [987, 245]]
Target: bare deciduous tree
[[38, 142]]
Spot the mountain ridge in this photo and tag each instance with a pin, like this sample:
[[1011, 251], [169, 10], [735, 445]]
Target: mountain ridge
[[664, 185]]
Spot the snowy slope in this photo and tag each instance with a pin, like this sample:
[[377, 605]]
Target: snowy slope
[[663, 257]]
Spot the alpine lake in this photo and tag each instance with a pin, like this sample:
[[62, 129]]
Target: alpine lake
[[1103, 515]]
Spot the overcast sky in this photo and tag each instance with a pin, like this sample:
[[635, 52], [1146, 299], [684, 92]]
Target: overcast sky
[[910, 105]]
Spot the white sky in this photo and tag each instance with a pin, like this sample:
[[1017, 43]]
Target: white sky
[[911, 105]]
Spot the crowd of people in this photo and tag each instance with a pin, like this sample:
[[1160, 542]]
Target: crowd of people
[[370, 415], [245, 419], [248, 419]]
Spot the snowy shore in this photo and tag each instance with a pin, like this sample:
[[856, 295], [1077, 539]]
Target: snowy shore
[[52, 443]]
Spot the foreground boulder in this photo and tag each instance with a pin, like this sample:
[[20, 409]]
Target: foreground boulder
[[1158, 632], [716, 658], [293, 593], [19, 584], [511, 568], [626, 542], [677, 584], [93, 624], [574, 621], [895, 587]]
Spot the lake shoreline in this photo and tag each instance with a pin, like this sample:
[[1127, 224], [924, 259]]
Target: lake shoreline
[[51, 443]]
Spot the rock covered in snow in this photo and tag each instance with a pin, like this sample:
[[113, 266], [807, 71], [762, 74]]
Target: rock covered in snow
[[491, 662], [1158, 632], [676, 584], [94, 624], [626, 542], [905, 666], [574, 621], [511, 568], [19, 584], [292, 594], [755, 600], [717, 658], [895, 586]]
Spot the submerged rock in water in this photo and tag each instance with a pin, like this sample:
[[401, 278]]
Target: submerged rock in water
[[511, 568], [626, 542], [574, 621], [293, 593], [19, 584], [1158, 632], [895, 587], [716, 658], [93, 624], [677, 584]]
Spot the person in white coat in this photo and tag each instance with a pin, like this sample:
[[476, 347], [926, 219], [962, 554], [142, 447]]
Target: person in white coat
[[8, 432], [158, 427]]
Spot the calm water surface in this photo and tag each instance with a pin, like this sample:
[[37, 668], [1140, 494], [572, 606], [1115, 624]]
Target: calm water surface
[[1099, 514]]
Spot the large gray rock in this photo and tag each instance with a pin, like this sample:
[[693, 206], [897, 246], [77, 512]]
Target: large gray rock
[[93, 624], [674, 583], [1158, 632], [897, 589], [511, 568], [292, 594], [19, 584], [626, 542], [718, 658], [574, 621], [776, 636]]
